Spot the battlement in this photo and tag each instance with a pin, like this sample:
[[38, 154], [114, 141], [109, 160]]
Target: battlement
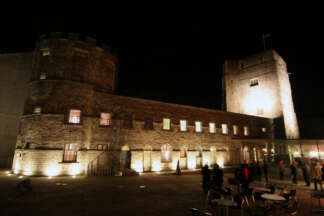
[[74, 57], [240, 65], [76, 38]]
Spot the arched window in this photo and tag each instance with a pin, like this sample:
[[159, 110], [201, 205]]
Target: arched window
[[166, 153]]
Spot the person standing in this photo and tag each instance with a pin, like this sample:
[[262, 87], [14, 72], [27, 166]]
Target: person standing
[[323, 171], [258, 171], [265, 171], [281, 169], [293, 170], [317, 175], [306, 172], [205, 178], [218, 176]]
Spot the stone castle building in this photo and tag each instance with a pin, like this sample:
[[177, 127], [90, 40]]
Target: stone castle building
[[73, 123]]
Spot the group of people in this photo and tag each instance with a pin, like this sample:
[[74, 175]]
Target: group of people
[[252, 171], [212, 178], [310, 172]]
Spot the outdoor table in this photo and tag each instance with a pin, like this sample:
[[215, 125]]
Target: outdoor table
[[226, 203], [318, 195], [262, 189], [273, 197]]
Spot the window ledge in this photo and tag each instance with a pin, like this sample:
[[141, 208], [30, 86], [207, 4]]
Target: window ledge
[[68, 125], [68, 162]]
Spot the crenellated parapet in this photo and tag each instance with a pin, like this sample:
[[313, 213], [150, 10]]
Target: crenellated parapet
[[71, 57]]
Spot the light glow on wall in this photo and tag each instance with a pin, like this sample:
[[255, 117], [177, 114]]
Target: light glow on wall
[[138, 167], [53, 170], [28, 173], [220, 162], [156, 166], [75, 169], [296, 154], [259, 99], [206, 161], [191, 163], [174, 164], [315, 154]]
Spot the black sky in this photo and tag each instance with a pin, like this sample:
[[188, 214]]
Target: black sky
[[176, 55]]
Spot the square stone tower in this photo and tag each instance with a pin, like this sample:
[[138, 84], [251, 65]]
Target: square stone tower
[[259, 85]]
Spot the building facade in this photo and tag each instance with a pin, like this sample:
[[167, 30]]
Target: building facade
[[73, 123]]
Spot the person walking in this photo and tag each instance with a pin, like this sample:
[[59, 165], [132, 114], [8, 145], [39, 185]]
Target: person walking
[[245, 177], [293, 170], [205, 178], [281, 169], [317, 175], [265, 171], [218, 176]]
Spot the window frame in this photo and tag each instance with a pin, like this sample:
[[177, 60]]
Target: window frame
[[224, 129], [128, 121], [110, 119], [246, 131], [185, 126], [214, 131], [69, 114], [72, 147], [200, 125], [235, 130], [169, 124], [148, 123], [167, 148]]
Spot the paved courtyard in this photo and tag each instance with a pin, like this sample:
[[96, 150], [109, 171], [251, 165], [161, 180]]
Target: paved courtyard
[[133, 195]]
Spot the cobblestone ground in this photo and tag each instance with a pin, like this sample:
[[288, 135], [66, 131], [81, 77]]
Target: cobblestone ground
[[134, 195]]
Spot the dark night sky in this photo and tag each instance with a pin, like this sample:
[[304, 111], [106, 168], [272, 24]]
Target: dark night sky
[[177, 55]]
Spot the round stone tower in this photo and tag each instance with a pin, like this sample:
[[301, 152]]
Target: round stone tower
[[66, 73]]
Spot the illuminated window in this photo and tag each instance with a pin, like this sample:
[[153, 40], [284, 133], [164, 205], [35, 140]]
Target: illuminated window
[[105, 119], [128, 121], [212, 128], [246, 131], [198, 126], [102, 147], [166, 124], [46, 52], [224, 129], [235, 129], [183, 125], [264, 130], [37, 110], [166, 154], [70, 153], [148, 123], [254, 82], [74, 116], [42, 76], [183, 152]]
